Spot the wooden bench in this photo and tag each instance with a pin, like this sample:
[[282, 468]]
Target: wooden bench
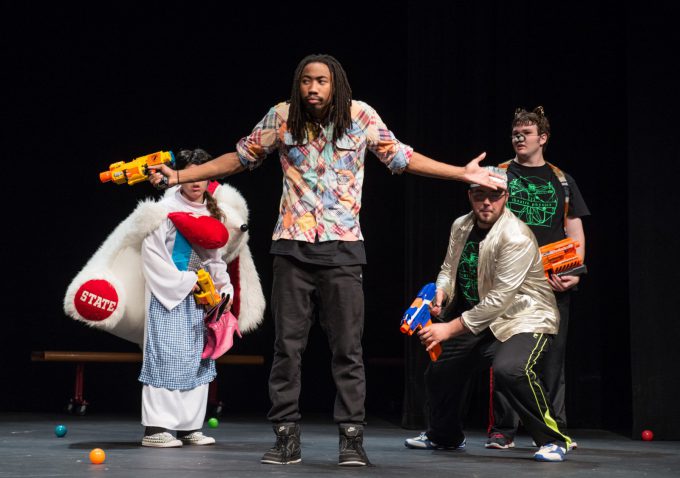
[[78, 404]]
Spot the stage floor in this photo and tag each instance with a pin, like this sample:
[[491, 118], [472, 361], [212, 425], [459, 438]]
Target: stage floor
[[30, 448]]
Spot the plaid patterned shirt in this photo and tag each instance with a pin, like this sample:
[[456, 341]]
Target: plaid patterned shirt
[[322, 178]]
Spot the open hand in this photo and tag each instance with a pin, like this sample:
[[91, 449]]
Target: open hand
[[475, 174]]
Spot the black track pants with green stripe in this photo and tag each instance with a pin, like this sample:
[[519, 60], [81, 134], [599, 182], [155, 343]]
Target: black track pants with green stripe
[[515, 369], [515, 364]]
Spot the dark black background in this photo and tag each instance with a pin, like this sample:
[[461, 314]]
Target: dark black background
[[84, 87]]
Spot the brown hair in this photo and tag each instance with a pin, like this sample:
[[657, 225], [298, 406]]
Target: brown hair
[[537, 117], [184, 158]]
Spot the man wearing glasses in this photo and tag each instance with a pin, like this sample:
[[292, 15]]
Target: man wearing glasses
[[550, 203], [492, 283]]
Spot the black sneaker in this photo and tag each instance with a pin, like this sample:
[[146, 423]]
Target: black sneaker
[[351, 445], [499, 441], [286, 450]]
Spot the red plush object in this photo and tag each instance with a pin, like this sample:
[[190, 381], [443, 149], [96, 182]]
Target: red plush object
[[204, 231], [96, 300], [212, 185]]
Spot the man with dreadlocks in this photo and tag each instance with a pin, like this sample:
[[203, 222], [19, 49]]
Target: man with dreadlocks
[[321, 136]]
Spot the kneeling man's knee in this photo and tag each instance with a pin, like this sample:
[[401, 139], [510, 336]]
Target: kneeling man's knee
[[508, 374]]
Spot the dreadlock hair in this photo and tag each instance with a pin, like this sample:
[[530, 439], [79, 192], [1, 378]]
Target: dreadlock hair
[[197, 156], [339, 109], [537, 117]]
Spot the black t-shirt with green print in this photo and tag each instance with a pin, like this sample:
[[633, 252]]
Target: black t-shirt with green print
[[467, 292], [536, 196]]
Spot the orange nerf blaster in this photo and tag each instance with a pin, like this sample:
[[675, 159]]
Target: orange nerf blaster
[[560, 258], [208, 296], [136, 170], [417, 316]]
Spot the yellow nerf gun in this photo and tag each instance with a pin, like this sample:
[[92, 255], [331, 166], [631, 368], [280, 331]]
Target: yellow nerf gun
[[136, 170], [208, 296]]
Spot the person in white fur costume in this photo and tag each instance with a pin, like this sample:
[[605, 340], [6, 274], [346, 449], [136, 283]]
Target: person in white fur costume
[[157, 249]]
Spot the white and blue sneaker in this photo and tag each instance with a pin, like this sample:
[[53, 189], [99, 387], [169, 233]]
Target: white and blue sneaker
[[572, 445], [550, 452], [421, 442]]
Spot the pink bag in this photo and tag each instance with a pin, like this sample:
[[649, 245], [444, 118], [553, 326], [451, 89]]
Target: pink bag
[[219, 330]]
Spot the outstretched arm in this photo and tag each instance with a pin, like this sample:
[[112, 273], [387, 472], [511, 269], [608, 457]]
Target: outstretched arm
[[224, 165], [471, 173]]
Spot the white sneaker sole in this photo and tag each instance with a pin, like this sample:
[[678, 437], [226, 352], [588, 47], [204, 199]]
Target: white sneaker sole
[[170, 444], [496, 446], [273, 462], [549, 458], [199, 443]]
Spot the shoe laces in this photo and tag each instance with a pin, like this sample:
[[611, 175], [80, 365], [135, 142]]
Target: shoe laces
[[161, 437], [282, 446], [348, 443], [354, 444]]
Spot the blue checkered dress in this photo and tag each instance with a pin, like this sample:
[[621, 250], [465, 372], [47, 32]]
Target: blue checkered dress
[[174, 342]]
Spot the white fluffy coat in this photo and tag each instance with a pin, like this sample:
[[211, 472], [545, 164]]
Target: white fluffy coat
[[118, 261]]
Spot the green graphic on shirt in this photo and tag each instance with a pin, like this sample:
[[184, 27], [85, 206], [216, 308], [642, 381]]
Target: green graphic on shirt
[[533, 200], [467, 272]]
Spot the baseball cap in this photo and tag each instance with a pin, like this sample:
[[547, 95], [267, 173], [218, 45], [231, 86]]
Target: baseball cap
[[500, 172]]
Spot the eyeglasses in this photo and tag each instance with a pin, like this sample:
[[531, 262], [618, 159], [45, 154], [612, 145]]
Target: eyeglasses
[[480, 195]]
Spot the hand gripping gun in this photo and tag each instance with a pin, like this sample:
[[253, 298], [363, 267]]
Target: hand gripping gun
[[417, 316], [208, 296], [135, 171], [560, 258]]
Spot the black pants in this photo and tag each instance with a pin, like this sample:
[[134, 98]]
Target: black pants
[[506, 420], [336, 292], [515, 364]]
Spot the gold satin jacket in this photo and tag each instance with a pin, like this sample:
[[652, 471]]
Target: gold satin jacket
[[514, 295]]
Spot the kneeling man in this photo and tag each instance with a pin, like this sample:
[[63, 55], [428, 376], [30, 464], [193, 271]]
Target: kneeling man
[[504, 315]]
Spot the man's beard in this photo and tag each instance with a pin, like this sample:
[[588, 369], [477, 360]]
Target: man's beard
[[311, 117]]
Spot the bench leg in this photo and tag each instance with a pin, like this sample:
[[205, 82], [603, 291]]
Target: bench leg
[[78, 404], [216, 406]]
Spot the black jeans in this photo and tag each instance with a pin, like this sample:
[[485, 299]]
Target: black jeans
[[336, 292], [515, 364]]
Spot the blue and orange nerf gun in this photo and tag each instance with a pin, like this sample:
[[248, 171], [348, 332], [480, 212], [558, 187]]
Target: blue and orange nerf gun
[[137, 170], [417, 316]]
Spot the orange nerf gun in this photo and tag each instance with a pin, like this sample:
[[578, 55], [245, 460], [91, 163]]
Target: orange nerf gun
[[560, 258], [208, 296], [417, 316], [136, 170]]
